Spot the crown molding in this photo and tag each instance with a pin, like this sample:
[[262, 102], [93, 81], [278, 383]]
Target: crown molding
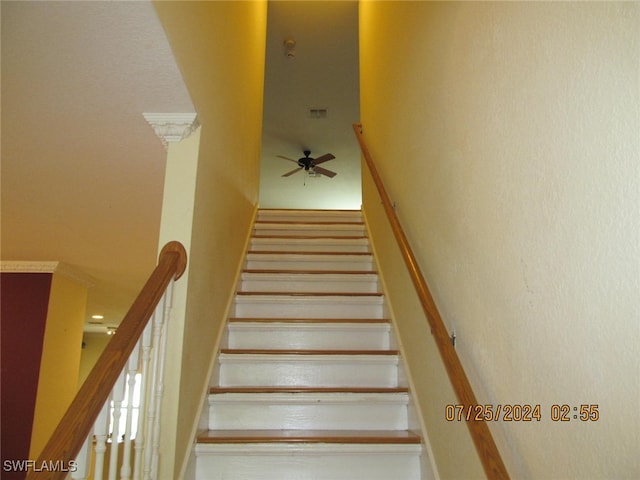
[[21, 266], [172, 127]]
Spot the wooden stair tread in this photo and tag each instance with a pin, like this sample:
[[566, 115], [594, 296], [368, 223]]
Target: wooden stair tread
[[310, 436], [311, 237], [312, 272], [308, 222], [273, 389], [296, 252], [256, 351], [309, 320], [312, 294], [313, 210]]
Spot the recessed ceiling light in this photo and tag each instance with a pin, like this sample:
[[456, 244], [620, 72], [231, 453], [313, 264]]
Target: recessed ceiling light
[[97, 317]]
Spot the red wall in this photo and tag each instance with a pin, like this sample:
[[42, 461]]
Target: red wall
[[24, 300]]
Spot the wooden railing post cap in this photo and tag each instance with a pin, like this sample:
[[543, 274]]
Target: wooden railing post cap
[[175, 247]]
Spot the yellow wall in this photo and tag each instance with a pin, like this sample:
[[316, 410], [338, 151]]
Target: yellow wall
[[60, 363], [93, 346], [426, 371], [219, 47], [507, 134]]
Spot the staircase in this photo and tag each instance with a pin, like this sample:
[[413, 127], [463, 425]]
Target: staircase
[[309, 383]]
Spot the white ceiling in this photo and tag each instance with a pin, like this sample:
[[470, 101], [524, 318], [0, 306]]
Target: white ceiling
[[82, 171]]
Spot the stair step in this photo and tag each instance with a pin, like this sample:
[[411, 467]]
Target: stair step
[[313, 334], [314, 281], [254, 368], [307, 320], [311, 436], [300, 389], [306, 261], [290, 351], [357, 244], [308, 455], [310, 409], [318, 229], [267, 214], [311, 294], [301, 306]]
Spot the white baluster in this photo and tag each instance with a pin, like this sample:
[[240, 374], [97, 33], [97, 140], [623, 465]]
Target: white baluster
[[166, 312], [145, 344], [132, 370], [100, 429], [153, 381], [80, 472], [118, 396]]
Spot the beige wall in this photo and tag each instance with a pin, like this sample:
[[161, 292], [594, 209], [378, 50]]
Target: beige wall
[[508, 135], [219, 47]]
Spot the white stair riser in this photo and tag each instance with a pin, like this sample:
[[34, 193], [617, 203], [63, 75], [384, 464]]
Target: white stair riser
[[311, 336], [326, 282], [254, 370], [308, 462], [310, 244], [283, 261], [308, 411], [292, 306], [330, 230], [309, 216]]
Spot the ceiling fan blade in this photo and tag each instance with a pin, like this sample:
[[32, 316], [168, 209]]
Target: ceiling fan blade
[[287, 158], [323, 158], [292, 172], [324, 171]]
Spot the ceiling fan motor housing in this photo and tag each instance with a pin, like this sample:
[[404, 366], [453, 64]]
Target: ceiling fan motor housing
[[306, 162]]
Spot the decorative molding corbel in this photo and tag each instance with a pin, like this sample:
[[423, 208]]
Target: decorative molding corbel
[[23, 266], [172, 127]]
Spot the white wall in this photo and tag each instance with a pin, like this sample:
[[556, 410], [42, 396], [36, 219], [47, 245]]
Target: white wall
[[508, 135]]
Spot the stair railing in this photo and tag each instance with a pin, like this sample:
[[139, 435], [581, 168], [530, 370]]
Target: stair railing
[[134, 355], [487, 450]]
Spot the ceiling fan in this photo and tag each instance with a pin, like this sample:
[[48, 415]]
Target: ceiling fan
[[311, 164]]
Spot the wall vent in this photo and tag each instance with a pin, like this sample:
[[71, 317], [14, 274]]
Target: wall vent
[[317, 113]]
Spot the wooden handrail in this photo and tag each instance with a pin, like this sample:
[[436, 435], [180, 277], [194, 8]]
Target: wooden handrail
[[70, 434], [488, 452]]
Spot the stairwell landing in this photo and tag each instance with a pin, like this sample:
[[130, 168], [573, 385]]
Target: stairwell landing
[[309, 381]]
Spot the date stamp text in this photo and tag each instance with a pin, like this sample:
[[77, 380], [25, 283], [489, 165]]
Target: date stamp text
[[520, 413]]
